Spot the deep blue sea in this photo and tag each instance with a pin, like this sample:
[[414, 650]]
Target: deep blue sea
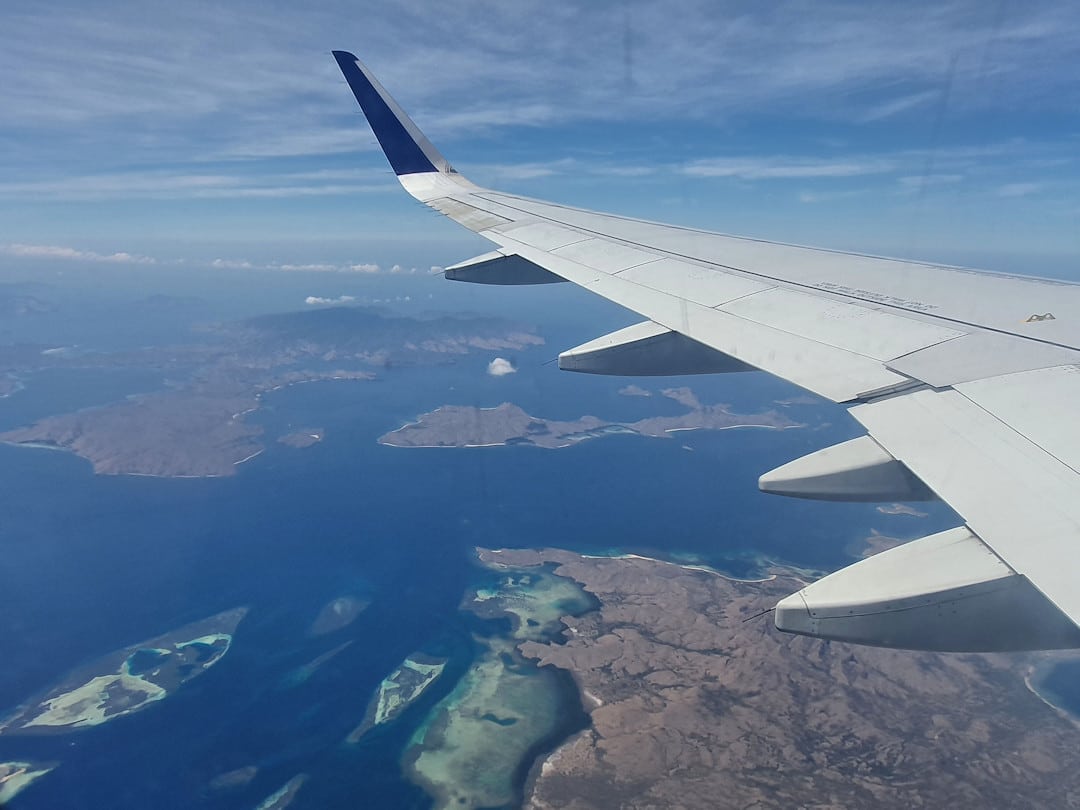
[[90, 564]]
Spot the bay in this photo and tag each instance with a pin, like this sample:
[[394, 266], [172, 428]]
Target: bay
[[92, 563]]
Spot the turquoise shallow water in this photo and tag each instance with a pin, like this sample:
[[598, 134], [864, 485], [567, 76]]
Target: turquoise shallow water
[[91, 564]]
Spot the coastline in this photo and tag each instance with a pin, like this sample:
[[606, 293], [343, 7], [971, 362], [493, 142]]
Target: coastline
[[1040, 670]]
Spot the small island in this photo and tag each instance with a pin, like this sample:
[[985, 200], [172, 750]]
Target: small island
[[15, 777], [305, 437], [337, 613], [235, 779], [8, 385], [874, 544], [397, 691], [127, 680], [508, 424], [303, 673], [283, 796]]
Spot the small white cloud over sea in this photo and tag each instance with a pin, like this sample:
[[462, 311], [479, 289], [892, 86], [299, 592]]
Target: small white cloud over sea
[[500, 367], [316, 300]]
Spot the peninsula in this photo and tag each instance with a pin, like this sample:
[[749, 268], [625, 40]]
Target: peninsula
[[464, 426], [477, 741]]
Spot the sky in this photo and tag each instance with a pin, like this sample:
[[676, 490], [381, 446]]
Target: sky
[[221, 135]]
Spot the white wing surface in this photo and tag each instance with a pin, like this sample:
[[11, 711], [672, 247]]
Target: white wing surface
[[966, 382]]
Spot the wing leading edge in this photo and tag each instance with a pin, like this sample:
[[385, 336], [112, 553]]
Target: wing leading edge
[[961, 378]]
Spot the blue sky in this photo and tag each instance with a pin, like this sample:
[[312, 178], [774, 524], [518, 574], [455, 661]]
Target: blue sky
[[187, 134]]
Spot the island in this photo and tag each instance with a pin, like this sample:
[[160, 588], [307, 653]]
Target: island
[[399, 690], [197, 425], [686, 681], [127, 438], [508, 424], [127, 680], [15, 777], [874, 544], [901, 509]]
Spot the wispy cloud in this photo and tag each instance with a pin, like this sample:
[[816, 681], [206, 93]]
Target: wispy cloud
[[71, 254], [76, 255], [174, 184], [1019, 189], [316, 300], [895, 106], [814, 197], [916, 182], [785, 168]]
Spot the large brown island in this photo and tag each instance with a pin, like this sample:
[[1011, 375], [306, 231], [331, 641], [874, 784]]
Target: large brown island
[[694, 704]]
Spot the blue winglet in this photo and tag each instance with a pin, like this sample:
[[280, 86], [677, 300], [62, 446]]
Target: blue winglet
[[406, 147]]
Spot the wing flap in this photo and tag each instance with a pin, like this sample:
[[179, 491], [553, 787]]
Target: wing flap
[[980, 355], [605, 255], [545, 236], [703, 285], [1039, 405], [845, 325]]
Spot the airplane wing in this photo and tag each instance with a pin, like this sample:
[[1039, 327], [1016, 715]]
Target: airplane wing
[[966, 383]]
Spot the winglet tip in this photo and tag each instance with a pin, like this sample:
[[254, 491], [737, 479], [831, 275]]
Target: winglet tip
[[406, 147]]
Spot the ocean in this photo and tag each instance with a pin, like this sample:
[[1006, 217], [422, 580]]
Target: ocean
[[90, 564]]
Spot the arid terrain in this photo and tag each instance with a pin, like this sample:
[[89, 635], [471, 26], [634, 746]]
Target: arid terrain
[[694, 704]]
